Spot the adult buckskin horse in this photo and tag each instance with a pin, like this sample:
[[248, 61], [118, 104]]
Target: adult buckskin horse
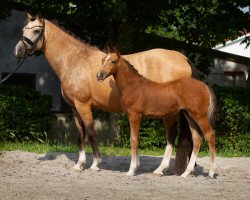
[[76, 64]]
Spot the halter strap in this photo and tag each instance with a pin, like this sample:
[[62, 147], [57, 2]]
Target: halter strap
[[32, 44]]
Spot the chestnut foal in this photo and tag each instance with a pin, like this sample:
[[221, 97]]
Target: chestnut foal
[[143, 97]]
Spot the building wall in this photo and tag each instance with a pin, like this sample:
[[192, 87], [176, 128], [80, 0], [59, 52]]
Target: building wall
[[219, 74], [46, 80]]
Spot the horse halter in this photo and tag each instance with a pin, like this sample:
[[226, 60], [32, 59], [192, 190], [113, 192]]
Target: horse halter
[[26, 41]]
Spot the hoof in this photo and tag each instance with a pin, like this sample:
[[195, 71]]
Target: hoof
[[158, 173], [95, 169], [184, 175], [130, 173], [211, 175], [78, 167]]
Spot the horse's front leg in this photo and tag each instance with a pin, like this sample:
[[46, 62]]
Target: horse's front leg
[[84, 111], [134, 121], [81, 141], [170, 127]]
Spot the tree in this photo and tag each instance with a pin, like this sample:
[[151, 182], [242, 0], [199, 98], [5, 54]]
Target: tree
[[203, 23]]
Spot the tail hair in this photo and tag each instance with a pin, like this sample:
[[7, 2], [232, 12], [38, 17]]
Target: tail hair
[[212, 108]]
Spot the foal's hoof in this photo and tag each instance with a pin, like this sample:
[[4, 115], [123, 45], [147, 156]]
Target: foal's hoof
[[184, 175], [211, 175], [130, 173], [78, 167], [158, 173], [95, 169]]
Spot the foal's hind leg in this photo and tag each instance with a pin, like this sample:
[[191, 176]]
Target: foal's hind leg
[[84, 111], [81, 140], [171, 136], [210, 137], [197, 140]]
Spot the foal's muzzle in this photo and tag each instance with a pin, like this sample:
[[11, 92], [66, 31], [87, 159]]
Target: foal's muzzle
[[101, 76]]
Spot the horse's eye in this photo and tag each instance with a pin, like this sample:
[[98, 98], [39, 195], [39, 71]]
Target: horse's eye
[[36, 31], [113, 62]]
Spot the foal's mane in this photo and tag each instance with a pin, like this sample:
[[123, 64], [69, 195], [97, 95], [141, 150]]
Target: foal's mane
[[132, 68]]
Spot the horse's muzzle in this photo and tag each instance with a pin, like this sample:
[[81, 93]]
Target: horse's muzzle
[[19, 50]]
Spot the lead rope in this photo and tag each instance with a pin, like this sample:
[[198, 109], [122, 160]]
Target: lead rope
[[18, 64]]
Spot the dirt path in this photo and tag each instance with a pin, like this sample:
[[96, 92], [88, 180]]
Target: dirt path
[[50, 176]]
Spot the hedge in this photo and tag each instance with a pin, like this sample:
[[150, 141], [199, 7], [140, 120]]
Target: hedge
[[232, 123], [24, 114]]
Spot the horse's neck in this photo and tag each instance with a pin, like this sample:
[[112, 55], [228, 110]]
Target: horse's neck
[[126, 75], [60, 49]]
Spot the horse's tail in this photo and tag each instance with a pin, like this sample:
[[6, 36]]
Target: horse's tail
[[184, 146], [212, 106]]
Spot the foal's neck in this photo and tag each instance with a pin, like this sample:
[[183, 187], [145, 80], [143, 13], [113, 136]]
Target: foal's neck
[[126, 75]]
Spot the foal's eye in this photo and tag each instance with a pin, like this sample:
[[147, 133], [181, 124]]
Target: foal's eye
[[113, 62]]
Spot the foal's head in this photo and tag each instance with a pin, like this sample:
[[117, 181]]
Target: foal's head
[[109, 66], [33, 36]]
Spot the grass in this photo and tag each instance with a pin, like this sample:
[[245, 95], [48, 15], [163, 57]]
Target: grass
[[44, 148], [108, 151]]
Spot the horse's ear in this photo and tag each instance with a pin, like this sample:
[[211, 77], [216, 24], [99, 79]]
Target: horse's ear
[[28, 16], [39, 16]]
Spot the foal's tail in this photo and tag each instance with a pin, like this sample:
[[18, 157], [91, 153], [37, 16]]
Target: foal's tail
[[184, 146], [212, 106]]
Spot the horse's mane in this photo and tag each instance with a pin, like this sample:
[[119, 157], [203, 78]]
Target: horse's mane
[[82, 42]]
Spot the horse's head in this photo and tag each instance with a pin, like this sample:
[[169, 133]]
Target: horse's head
[[109, 66], [33, 37]]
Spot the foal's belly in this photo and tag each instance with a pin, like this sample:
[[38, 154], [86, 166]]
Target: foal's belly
[[160, 113]]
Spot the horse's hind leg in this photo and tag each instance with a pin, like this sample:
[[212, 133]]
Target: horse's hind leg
[[197, 140], [81, 140], [84, 111], [170, 125]]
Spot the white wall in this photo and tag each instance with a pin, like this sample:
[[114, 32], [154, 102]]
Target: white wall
[[235, 47], [218, 77]]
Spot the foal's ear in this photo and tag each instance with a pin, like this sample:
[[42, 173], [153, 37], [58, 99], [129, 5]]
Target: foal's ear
[[117, 51], [39, 16]]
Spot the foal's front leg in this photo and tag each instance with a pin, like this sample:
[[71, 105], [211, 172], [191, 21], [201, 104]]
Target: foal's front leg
[[134, 121], [170, 128]]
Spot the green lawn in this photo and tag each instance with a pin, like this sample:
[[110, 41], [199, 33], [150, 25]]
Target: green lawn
[[109, 151]]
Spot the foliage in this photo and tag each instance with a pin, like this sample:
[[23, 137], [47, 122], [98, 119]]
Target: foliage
[[233, 115], [205, 23], [232, 123], [151, 133], [124, 22], [24, 114]]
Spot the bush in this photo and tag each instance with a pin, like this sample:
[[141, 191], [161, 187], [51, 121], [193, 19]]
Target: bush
[[151, 133], [24, 114], [233, 113], [232, 123]]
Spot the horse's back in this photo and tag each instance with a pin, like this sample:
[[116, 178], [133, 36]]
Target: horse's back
[[160, 65]]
